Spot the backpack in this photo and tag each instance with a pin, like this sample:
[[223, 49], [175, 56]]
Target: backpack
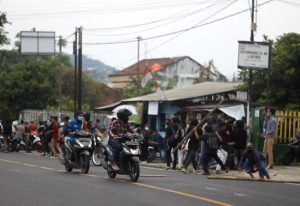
[[212, 141]]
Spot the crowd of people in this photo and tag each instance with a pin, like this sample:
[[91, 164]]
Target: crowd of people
[[222, 139], [219, 142], [51, 134]]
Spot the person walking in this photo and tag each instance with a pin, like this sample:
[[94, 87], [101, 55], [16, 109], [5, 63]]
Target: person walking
[[240, 141], [172, 143], [168, 135], [55, 138], [211, 147], [193, 145]]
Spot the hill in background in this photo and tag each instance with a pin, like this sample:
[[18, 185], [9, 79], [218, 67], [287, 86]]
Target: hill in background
[[95, 68]]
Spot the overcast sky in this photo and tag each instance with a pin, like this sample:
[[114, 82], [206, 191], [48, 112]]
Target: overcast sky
[[197, 28]]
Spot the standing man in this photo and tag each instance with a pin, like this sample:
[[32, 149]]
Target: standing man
[[55, 138], [269, 136]]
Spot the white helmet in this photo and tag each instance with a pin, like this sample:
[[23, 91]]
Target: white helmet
[[15, 123]]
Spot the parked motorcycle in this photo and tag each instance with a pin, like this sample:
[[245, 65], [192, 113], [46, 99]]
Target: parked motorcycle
[[129, 158], [78, 155], [35, 142], [293, 151]]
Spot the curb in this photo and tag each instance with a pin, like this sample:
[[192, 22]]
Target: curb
[[220, 177], [248, 179]]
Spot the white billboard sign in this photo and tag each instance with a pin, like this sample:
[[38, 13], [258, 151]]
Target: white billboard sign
[[254, 55], [37, 43], [153, 108]]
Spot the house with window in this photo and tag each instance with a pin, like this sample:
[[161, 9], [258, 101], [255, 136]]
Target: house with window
[[177, 71]]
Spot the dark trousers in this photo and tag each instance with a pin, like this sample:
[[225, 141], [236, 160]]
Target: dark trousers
[[46, 141], [117, 148], [191, 154], [237, 156], [169, 157], [211, 153]]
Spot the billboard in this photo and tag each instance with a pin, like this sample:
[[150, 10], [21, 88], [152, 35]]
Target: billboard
[[37, 43], [254, 55]]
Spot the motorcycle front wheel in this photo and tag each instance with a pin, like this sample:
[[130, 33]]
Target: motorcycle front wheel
[[110, 172], [68, 167], [134, 170], [85, 164], [288, 158], [96, 156]]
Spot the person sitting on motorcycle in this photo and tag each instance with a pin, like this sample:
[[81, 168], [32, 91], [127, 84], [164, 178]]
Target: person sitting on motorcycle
[[116, 129], [32, 130], [76, 125], [156, 140]]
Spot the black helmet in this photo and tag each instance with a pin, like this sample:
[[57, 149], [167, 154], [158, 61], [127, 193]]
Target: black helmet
[[123, 114], [87, 116]]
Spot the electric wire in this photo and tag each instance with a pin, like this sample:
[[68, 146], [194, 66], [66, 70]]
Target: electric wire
[[178, 31]]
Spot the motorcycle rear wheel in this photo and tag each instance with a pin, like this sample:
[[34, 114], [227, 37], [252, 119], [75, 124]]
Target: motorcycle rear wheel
[[85, 164], [134, 170], [288, 158]]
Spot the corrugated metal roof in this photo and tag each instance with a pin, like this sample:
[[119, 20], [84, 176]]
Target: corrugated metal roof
[[192, 91]]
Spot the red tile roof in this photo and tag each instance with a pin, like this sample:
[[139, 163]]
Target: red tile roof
[[147, 63]]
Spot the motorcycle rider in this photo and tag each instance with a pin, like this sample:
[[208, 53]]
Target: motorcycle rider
[[116, 128], [75, 125]]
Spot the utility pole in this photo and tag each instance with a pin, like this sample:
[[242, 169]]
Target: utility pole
[[80, 70], [138, 60], [75, 70], [253, 28], [60, 44]]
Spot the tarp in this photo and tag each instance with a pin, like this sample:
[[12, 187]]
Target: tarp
[[236, 111]]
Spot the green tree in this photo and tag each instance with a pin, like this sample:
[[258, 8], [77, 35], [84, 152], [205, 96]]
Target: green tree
[[28, 85], [3, 21]]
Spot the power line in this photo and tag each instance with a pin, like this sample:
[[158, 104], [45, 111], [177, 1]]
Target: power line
[[204, 24], [290, 3], [159, 20], [178, 31], [107, 10], [178, 18]]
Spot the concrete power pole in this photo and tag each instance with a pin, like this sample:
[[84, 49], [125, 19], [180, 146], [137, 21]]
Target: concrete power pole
[[80, 70], [75, 70], [253, 28], [138, 61]]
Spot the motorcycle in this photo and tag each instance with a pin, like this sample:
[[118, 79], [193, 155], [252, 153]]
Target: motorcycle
[[21, 145], [129, 158], [78, 155], [293, 151], [35, 142]]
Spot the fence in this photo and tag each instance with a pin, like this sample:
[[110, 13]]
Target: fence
[[40, 115], [287, 124]]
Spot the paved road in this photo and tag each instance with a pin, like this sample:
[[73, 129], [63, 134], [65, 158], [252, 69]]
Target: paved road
[[28, 179]]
